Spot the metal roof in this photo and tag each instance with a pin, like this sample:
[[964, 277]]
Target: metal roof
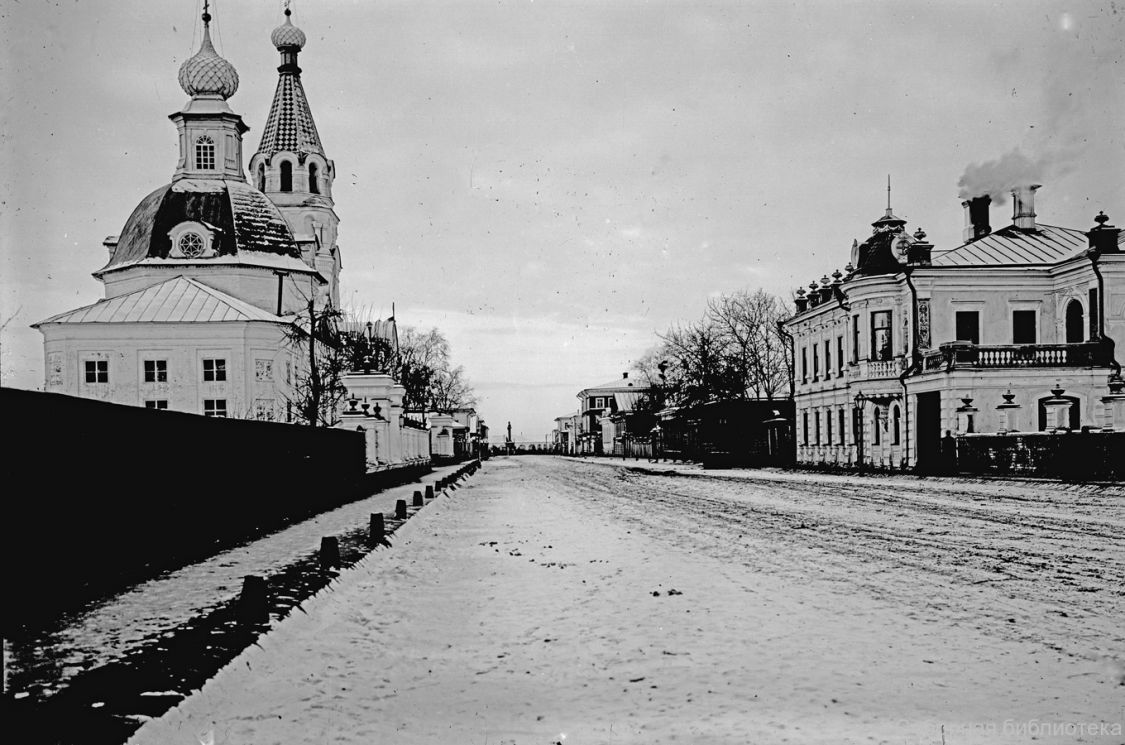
[[627, 401], [290, 124], [1047, 244], [177, 300]]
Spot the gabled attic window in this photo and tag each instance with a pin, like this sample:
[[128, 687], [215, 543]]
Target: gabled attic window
[[205, 153], [192, 240]]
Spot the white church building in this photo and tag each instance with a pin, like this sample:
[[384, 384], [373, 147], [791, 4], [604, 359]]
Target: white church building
[[210, 270]]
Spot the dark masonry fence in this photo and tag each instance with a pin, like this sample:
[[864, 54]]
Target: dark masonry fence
[[1070, 456], [101, 496]]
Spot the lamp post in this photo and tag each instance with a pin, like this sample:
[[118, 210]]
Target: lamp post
[[857, 429]]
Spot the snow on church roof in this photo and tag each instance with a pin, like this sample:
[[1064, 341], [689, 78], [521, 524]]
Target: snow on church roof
[[177, 300]]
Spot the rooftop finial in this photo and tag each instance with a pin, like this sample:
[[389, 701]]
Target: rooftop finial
[[287, 11], [206, 14], [888, 193]]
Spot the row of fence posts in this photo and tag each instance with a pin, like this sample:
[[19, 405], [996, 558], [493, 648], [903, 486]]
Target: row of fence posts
[[254, 601]]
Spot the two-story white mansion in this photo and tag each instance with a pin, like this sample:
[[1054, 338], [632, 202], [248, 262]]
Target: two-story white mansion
[[210, 269], [1013, 330]]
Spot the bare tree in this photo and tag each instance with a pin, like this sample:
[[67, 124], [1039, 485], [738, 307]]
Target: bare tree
[[735, 351], [318, 386]]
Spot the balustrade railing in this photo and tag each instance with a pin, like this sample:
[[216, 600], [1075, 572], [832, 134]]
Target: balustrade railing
[[963, 354]]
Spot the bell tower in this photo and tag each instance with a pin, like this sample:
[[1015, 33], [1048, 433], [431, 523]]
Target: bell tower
[[292, 168]]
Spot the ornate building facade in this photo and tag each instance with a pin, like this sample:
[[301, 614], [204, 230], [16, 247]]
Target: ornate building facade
[[210, 270], [1013, 330]]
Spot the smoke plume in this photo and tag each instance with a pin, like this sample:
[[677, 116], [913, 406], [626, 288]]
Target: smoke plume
[[1076, 76], [997, 178]]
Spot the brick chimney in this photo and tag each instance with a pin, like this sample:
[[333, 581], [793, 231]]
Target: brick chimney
[[976, 218], [1023, 206]]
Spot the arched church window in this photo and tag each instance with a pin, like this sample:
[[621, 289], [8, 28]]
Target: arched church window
[[286, 176], [1075, 323], [314, 182], [191, 245], [261, 177], [205, 153]]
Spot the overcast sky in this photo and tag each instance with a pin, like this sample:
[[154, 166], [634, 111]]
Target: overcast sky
[[551, 183]]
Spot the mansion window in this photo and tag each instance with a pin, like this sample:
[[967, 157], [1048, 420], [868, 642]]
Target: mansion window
[[828, 359], [156, 371], [214, 370], [1075, 323], [215, 407], [875, 427], [897, 418], [840, 354], [1093, 306], [815, 362], [160, 404], [1023, 327], [828, 427], [816, 426], [842, 430], [805, 423], [968, 326], [97, 371], [881, 335], [855, 339], [205, 154], [804, 366]]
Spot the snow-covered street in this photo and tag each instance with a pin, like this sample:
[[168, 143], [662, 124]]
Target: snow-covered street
[[553, 600]]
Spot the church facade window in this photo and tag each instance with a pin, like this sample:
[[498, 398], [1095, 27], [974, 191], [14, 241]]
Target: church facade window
[[160, 404], [97, 371], [214, 370], [191, 240], [314, 181], [156, 371], [204, 153], [286, 176], [215, 407], [191, 245], [261, 177]]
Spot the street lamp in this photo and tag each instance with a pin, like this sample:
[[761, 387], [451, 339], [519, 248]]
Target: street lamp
[[857, 427]]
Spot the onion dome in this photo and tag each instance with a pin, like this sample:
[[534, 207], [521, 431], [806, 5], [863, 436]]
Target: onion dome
[[288, 35], [206, 73]]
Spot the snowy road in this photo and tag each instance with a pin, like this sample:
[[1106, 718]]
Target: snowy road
[[560, 601]]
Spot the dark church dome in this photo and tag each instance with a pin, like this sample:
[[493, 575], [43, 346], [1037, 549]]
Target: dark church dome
[[234, 216]]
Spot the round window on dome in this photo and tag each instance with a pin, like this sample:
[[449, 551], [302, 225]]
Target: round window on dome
[[191, 245]]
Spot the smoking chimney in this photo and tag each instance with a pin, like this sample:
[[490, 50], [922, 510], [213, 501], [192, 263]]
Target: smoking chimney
[[1023, 206], [976, 218]]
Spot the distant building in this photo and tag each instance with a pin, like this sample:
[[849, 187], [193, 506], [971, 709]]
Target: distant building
[[597, 431], [564, 435], [209, 270], [1014, 329]]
